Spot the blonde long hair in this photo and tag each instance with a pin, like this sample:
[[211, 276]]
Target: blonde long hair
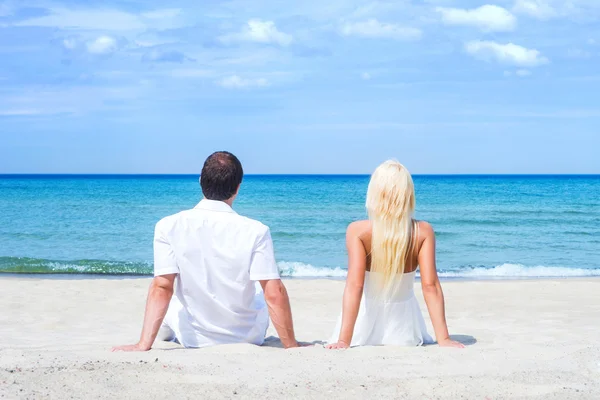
[[391, 207]]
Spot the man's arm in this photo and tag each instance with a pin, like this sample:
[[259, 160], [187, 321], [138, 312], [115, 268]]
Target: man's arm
[[159, 296], [263, 269], [280, 311]]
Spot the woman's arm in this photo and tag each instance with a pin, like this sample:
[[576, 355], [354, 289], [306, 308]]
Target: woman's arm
[[357, 265], [432, 289]]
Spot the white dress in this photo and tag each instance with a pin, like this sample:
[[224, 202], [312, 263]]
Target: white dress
[[393, 320]]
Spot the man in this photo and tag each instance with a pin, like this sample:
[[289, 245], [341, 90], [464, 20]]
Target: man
[[216, 256]]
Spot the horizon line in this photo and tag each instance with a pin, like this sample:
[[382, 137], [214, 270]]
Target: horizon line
[[291, 174]]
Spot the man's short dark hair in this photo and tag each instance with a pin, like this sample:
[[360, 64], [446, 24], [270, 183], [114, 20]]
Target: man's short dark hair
[[221, 176]]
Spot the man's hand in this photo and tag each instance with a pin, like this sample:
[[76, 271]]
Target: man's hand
[[131, 348], [340, 345]]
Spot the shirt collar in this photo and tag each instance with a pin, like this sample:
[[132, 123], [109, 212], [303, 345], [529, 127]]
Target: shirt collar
[[214, 205]]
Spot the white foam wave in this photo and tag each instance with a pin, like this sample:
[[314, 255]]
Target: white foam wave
[[519, 271], [301, 270]]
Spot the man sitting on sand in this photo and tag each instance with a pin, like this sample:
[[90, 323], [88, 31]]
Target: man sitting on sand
[[216, 256]]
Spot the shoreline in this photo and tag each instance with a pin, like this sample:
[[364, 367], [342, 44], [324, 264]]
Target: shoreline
[[98, 276]]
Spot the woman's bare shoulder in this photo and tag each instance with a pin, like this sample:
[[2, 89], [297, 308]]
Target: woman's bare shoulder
[[359, 228], [425, 230]]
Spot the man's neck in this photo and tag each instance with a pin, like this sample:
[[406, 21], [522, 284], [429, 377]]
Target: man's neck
[[229, 202]]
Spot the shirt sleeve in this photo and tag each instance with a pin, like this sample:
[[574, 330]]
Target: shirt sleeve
[[263, 266], [165, 262]]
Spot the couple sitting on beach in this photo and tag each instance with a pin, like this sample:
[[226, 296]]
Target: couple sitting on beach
[[217, 257]]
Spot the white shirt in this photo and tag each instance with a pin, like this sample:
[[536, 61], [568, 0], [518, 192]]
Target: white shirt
[[218, 256]]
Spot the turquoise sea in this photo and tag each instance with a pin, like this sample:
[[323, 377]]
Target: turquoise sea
[[487, 226]]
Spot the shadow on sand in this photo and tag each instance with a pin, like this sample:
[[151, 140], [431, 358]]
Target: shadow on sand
[[273, 341], [467, 340]]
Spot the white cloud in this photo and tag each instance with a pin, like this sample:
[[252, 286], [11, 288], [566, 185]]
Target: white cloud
[[166, 56], [366, 76], [579, 53], [522, 72], [541, 9], [104, 20], [151, 43], [192, 73], [167, 13], [48, 100], [236, 82], [108, 20], [580, 10], [591, 42], [152, 39], [70, 43], [509, 53], [20, 112], [488, 18], [259, 31], [5, 10], [168, 18], [372, 28], [102, 45]]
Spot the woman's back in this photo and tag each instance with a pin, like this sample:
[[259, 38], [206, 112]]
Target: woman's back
[[364, 231], [401, 285]]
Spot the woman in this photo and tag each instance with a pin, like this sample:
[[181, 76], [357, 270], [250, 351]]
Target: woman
[[379, 305]]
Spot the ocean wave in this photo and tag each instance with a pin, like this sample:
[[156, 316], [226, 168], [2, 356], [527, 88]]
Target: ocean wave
[[301, 270], [24, 265], [21, 265], [518, 271]]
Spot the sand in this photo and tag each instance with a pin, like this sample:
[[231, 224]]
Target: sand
[[526, 339]]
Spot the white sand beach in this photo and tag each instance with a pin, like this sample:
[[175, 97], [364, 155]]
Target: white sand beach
[[526, 339]]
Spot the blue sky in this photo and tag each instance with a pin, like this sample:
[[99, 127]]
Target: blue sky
[[334, 86]]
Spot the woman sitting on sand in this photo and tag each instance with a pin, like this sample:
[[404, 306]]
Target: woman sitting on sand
[[384, 252]]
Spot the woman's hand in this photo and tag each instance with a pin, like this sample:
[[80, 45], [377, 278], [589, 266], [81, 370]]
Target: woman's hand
[[450, 343], [131, 348], [340, 345]]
